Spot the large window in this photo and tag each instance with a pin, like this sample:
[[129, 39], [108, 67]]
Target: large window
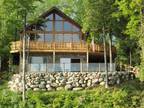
[[67, 37], [50, 17], [48, 37], [39, 37], [59, 37], [67, 26], [57, 17], [75, 29], [38, 63], [49, 26], [76, 38], [58, 29], [58, 26]]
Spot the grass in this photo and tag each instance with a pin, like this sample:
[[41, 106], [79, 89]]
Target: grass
[[129, 94]]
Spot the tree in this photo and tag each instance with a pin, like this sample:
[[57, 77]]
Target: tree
[[98, 19], [133, 11]]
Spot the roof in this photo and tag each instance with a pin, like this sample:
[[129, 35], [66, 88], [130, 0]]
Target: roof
[[59, 12]]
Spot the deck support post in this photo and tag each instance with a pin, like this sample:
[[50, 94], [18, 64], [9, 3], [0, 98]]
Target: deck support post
[[54, 60], [87, 54]]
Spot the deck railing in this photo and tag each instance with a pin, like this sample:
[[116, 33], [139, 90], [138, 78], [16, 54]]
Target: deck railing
[[73, 67], [59, 46], [47, 46]]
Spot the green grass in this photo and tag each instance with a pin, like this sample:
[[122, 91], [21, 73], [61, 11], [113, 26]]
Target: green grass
[[127, 95]]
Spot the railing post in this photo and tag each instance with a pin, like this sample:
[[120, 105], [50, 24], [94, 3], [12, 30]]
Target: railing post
[[46, 67], [99, 68], [81, 67], [87, 59]]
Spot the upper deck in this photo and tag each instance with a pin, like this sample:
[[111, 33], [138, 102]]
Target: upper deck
[[58, 47]]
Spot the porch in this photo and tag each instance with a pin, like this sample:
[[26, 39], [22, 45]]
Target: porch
[[69, 67]]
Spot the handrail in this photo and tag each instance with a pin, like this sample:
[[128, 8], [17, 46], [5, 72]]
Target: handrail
[[59, 46]]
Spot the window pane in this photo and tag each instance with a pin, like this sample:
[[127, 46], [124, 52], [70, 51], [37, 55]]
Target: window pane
[[67, 26], [59, 37], [67, 37], [48, 37], [50, 17], [39, 37], [49, 26], [57, 17], [58, 26], [36, 60], [76, 37], [75, 29]]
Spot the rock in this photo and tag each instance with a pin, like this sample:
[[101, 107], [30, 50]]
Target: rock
[[43, 82], [118, 81], [36, 89], [68, 87], [77, 89], [49, 82], [42, 86], [50, 89], [95, 81], [48, 86], [102, 83], [83, 85], [101, 79], [59, 88], [54, 85]]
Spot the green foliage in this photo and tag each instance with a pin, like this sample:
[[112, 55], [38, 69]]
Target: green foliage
[[129, 94]]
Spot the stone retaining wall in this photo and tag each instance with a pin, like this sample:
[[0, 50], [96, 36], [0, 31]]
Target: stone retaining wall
[[66, 80]]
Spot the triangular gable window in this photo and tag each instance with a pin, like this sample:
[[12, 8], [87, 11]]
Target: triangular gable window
[[50, 17], [57, 17]]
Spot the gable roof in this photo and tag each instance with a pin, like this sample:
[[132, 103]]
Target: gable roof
[[57, 11]]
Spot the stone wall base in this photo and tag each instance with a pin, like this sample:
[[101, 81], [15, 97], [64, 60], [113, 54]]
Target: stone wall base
[[67, 80]]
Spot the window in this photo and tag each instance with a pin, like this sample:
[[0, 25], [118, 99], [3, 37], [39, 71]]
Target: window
[[67, 37], [59, 37], [58, 26], [75, 29], [50, 17], [39, 37], [49, 25], [48, 37], [76, 38], [57, 17], [38, 63], [67, 26]]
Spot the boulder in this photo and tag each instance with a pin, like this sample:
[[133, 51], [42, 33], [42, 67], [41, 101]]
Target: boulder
[[77, 89]]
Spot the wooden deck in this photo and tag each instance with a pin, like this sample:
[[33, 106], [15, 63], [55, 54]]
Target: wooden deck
[[57, 47]]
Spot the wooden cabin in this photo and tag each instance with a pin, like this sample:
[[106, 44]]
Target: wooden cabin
[[56, 42]]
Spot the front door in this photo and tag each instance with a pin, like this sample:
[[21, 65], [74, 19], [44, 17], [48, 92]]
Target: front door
[[65, 64]]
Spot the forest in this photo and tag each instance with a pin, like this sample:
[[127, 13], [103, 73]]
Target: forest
[[121, 22]]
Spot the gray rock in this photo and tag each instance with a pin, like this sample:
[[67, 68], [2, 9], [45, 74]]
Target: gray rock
[[50, 89], [77, 89], [42, 86], [59, 88], [48, 86], [68, 87], [36, 89], [102, 83]]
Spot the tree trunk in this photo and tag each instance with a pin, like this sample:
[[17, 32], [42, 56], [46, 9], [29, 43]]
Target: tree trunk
[[130, 59], [105, 58], [24, 59], [110, 52]]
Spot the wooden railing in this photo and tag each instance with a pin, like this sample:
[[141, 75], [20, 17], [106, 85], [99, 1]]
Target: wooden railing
[[58, 47], [48, 47]]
